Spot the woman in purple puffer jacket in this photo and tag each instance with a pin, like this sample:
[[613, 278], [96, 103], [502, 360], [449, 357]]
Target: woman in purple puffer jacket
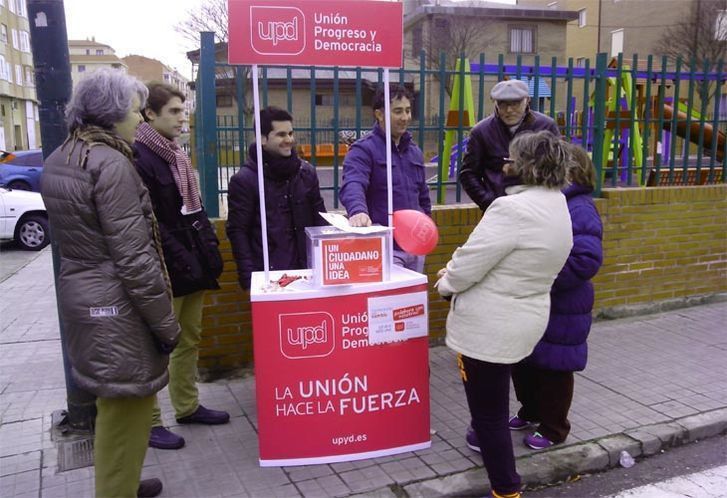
[[544, 380]]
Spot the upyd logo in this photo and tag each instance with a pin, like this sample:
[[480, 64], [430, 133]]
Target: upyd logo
[[277, 30], [306, 335]]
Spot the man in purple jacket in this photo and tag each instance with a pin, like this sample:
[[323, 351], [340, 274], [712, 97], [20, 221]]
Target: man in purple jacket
[[364, 190], [481, 175]]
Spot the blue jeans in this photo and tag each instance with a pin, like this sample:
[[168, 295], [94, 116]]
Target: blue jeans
[[409, 261]]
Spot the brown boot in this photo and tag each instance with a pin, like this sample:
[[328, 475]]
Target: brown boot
[[149, 488]]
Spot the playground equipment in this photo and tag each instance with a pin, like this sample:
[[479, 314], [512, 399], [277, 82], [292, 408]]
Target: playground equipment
[[693, 133]]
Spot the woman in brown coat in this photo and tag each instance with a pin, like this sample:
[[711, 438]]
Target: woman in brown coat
[[114, 296]]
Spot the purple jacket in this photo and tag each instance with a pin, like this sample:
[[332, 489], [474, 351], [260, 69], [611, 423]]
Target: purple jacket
[[481, 175], [563, 347], [364, 177]]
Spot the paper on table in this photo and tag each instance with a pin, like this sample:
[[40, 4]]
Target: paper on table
[[341, 222]]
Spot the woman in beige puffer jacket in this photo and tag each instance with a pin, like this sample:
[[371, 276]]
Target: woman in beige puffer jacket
[[114, 296]]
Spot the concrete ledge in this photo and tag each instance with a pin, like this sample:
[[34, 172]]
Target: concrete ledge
[[559, 463], [631, 310]]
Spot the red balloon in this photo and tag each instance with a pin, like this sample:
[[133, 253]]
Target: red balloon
[[415, 232]]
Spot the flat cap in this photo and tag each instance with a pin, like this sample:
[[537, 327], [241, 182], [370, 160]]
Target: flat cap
[[509, 90]]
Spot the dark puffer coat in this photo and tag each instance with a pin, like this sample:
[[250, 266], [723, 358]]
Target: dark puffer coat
[[189, 241], [481, 175], [564, 347], [292, 204], [112, 294]]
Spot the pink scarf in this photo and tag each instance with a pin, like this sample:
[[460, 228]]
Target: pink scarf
[[179, 163]]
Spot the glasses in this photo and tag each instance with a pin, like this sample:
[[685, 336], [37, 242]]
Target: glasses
[[508, 104]]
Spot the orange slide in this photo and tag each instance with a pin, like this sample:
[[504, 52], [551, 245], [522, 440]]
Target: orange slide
[[693, 134]]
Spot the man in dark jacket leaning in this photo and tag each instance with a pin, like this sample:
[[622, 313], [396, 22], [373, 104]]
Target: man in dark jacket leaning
[[292, 198], [190, 251], [481, 175]]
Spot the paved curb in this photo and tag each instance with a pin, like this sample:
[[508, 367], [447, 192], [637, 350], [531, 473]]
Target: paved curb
[[551, 466]]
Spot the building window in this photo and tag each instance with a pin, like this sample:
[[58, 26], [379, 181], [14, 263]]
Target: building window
[[617, 42], [88, 51], [29, 76], [25, 41], [224, 100], [3, 69], [720, 26], [99, 51], [580, 62], [553, 5], [19, 75], [582, 18], [3, 33], [11, 6], [16, 43], [22, 9], [81, 68], [522, 40]]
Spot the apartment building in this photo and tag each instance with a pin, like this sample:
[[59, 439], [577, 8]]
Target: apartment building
[[18, 104], [89, 55], [148, 69], [624, 26]]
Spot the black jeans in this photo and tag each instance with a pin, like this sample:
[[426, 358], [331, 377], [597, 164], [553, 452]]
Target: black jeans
[[487, 386], [546, 397]]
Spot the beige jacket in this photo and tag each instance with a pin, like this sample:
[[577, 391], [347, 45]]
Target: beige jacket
[[501, 277], [112, 294]]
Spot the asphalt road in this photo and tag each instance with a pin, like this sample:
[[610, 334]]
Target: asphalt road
[[694, 457]]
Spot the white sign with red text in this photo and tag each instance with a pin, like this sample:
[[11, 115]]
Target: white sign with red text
[[397, 318]]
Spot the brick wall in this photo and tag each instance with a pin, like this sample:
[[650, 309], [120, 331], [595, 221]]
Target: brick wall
[[660, 244]]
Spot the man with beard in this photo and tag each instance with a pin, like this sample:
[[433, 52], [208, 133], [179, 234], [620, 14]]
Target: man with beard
[[292, 198], [487, 150]]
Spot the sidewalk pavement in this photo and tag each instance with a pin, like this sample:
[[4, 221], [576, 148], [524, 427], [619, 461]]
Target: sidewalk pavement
[[652, 382]]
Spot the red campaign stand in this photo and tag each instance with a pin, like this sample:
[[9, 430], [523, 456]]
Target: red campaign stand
[[341, 373]]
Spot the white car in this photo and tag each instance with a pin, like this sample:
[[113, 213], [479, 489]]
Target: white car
[[23, 217]]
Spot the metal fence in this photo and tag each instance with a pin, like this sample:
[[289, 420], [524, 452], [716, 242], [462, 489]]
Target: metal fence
[[644, 121]]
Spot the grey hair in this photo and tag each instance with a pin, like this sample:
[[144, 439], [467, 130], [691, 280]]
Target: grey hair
[[540, 159], [103, 98]]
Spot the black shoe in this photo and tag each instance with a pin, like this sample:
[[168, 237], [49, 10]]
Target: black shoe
[[164, 439], [149, 487], [205, 416]]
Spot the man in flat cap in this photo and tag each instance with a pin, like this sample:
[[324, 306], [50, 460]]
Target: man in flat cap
[[481, 174]]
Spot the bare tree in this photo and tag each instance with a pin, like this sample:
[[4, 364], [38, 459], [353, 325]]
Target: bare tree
[[212, 16], [455, 35], [701, 38]]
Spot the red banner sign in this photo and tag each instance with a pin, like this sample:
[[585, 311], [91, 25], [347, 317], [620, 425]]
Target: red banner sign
[[315, 32], [326, 392], [352, 260]]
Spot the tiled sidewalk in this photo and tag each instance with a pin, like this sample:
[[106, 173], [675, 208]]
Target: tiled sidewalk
[[645, 370]]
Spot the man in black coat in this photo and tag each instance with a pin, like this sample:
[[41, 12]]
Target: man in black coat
[[481, 174], [190, 251], [292, 199]]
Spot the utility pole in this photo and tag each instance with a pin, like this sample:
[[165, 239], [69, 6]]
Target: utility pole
[[49, 41]]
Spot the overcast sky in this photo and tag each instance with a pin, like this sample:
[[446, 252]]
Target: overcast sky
[[141, 27]]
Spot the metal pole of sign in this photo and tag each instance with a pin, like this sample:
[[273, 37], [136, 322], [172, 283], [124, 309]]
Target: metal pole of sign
[[389, 181], [260, 179], [47, 22]]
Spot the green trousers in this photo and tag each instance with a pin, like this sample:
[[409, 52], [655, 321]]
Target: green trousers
[[122, 436], [183, 360]]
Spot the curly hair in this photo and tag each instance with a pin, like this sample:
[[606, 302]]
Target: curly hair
[[103, 98], [540, 159], [580, 169]]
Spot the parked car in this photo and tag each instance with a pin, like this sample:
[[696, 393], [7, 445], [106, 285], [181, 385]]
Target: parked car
[[20, 170], [23, 217]]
